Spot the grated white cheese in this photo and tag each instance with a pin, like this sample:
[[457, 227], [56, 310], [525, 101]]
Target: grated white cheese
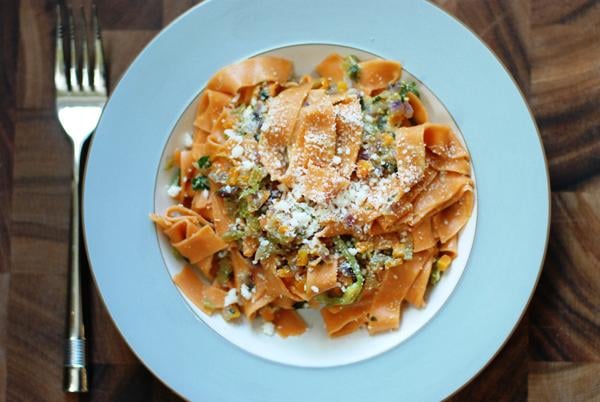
[[173, 190], [237, 151], [187, 140], [247, 165], [314, 289], [231, 297], [233, 135], [268, 328], [336, 160]]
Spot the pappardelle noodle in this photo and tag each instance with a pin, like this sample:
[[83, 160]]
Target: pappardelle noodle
[[335, 193]]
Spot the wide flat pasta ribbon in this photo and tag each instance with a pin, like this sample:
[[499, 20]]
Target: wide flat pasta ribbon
[[250, 72], [377, 74], [278, 127]]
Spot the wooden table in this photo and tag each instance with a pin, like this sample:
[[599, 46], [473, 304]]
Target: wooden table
[[551, 47]]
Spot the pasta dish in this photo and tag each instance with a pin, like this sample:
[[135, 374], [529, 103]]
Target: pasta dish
[[333, 192]]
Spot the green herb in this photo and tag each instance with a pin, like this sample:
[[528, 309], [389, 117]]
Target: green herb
[[257, 174], [406, 87], [351, 67], [435, 276], [353, 291], [204, 162], [232, 235], [252, 225], [200, 183], [224, 271]]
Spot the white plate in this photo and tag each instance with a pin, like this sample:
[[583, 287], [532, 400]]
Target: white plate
[[512, 201]]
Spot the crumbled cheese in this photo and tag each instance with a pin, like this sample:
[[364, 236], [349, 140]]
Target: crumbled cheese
[[247, 165], [268, 328], [231, 297], [298, 217], [233, 135], [314, 289], [353, 251], [245, 292], [187, 140], [237, 151], [205, 194], [336, 160], [173, 190]]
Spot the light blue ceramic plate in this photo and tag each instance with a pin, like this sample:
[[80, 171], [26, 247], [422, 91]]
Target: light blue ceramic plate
[[473, 318]]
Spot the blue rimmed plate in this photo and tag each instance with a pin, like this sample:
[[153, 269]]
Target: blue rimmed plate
[[124, 177]]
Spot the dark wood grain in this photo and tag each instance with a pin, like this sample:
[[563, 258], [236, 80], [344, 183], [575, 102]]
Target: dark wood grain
[[8, 68], [9, 34], [565, 95], [551, 47], [35, 333], [547, 382], [565, 319]]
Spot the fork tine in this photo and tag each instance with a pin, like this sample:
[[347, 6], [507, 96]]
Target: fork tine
[[74, 65], [86, 83], [60, 77], [99, 70]]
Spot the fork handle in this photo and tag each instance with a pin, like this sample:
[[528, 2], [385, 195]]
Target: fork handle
[[75, 375]]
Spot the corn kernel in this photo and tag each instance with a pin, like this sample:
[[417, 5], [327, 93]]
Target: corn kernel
[[342, 86], [364, 246], [227, 124], [363, 168], [443, 263], [233, 177], [302, 257], [285, 272], [387, 139], [282, 229]]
